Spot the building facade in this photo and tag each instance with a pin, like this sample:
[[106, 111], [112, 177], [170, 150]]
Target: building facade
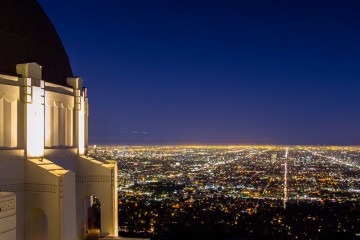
[[47, 182]]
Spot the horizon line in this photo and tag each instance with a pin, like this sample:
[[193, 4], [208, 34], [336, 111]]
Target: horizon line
[[227, 145]]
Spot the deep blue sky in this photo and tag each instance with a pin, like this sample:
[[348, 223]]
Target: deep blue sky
[[216, 72]]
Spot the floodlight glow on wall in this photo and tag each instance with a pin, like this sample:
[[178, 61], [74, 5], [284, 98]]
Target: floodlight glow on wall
[[81, 127], [35, 123]]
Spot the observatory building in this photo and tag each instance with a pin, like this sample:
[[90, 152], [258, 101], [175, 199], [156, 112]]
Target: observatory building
[[47, 183]]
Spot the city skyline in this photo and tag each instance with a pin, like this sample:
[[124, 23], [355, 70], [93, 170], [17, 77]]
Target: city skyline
[[215, 72], [263, 192]]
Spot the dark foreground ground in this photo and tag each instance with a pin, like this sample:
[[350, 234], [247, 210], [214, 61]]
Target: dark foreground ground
[[240, 219]]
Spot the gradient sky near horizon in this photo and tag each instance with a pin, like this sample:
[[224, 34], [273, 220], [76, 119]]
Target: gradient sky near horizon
[[216, 72]]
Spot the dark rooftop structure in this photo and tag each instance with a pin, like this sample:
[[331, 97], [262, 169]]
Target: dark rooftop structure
[[27, 35]]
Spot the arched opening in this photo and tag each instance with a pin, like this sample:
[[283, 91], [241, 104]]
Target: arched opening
[[37, 225], [92, 217]]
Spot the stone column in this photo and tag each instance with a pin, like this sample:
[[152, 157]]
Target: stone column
[[33, 98], [79, 114]]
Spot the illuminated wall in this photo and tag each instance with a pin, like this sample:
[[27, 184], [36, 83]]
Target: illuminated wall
[[59, 119], [9, 100], [34, 112], [81, 114], [43, 143]]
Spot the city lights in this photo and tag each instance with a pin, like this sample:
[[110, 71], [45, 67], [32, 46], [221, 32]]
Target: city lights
[[232, 186]]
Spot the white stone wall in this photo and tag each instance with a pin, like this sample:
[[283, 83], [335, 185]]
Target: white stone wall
[[7, 216], [43, 139], [59, 119], [9, 101]]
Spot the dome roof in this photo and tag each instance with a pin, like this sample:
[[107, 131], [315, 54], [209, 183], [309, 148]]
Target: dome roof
[[27, 35]]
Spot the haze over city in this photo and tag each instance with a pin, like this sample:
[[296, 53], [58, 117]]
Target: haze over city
[[214, 72]]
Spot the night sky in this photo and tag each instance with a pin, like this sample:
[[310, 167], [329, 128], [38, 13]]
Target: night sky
[[216, 72]]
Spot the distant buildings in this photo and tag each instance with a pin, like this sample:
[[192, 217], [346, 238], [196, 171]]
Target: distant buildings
[[238, 188]]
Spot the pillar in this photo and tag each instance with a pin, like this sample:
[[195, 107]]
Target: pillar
[[33, 98]]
